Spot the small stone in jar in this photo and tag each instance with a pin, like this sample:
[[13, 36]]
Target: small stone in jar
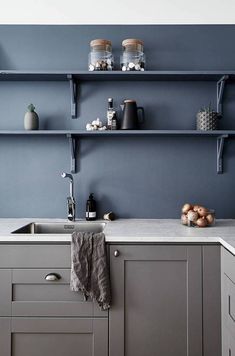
[[104, 65], [91, 68], [132, 66]]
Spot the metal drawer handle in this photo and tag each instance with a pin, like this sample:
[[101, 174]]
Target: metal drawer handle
[[52, 277], [116, 253]]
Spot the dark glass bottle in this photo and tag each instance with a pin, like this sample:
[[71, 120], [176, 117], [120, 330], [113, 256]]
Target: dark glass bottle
[[91, 208], [110, 113]]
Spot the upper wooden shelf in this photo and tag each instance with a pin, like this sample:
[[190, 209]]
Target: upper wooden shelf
[[16, 75], [120, 133]]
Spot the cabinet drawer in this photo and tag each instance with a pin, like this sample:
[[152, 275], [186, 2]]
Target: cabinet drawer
[[53, 336], [34, 295], [35, 256]]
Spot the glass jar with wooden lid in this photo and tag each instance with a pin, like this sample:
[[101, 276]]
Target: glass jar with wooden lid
[[133, 57], [100, 56]]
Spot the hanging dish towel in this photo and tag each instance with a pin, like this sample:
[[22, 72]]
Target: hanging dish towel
[[89, 267]]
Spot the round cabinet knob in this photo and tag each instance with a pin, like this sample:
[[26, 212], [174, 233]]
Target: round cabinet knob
[[52, 277], [116, 253]]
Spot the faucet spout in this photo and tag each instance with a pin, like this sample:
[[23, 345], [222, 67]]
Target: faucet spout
[[70, 200]]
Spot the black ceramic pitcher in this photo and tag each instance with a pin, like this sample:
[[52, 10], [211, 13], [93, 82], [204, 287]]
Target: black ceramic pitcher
[[130, 119]]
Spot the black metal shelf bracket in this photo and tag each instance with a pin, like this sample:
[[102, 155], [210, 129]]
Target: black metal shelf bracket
[[220, 150], [220, 86], [73, 152], [73, 95]]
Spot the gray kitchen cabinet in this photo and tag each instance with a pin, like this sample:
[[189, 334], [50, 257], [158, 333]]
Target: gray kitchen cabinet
[[211, 293], [228, 302], [53, 336], [25, 291], [40, 316], [157, 300]]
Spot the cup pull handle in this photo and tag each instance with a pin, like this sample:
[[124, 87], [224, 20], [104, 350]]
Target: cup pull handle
[[116, 253], [52, 277]]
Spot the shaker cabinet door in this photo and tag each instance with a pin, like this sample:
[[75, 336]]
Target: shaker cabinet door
[[53, 336], [157, 301]]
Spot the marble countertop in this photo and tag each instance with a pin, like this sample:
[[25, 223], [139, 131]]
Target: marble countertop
[[131, 231]]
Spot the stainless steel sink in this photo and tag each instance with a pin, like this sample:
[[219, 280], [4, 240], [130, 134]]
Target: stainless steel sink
[[59, 228]]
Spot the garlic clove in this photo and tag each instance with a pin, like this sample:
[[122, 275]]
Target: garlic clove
[[192, 215]]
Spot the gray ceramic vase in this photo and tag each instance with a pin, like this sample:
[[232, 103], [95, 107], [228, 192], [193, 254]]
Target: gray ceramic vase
[[31, 119]]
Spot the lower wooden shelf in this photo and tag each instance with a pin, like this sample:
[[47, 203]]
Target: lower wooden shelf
[[75, 135]]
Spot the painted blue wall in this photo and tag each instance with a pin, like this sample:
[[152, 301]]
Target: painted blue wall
[[135, 177]]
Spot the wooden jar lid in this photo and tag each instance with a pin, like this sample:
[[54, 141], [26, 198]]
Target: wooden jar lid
[[100, 42], [131, 42]]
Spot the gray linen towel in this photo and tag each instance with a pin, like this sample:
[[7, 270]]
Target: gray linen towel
[[89, 267]]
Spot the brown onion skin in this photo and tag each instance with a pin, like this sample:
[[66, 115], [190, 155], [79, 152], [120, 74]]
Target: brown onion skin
[[202, 222], [203, 211], [210, 219], [184, 219]]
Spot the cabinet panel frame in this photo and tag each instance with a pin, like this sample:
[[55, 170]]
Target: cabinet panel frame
[[192, 255]]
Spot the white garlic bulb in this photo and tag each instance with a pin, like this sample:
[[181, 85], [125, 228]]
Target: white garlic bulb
[[192, 215]]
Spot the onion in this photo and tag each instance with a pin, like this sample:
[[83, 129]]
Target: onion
[[210, 219], [203, 211], [201, 222], [184, 219]]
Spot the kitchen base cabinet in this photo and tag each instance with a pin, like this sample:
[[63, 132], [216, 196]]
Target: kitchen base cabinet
[[211, 287], [157, 300], [228, 303], [53, 336], [228, 345], [41, 316]]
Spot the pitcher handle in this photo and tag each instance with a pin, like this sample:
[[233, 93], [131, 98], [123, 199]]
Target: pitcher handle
[[142, 115]]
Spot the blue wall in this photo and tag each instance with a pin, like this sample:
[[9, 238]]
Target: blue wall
[[135, 177]]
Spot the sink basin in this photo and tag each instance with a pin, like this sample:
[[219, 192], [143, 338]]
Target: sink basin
[[59, 228]]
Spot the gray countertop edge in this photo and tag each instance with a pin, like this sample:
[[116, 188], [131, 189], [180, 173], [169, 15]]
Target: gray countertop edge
[[156, 231]]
